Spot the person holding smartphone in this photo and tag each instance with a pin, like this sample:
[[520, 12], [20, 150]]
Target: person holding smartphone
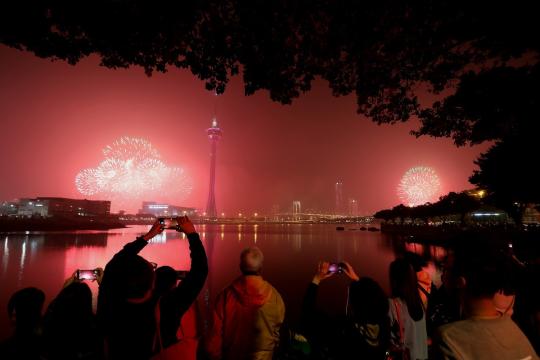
[[136, 321], [69, 324], [361, 332]]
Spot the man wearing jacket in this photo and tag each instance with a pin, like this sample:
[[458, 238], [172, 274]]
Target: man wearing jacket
[[247, 316]]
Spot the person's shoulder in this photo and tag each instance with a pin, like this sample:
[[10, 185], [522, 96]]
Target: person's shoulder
[[456, 326], [227, 291], [274, 290]]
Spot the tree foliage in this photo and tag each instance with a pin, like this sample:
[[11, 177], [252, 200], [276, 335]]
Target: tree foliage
[[386, 52], [508, 170], [450, 204], [479, 60]]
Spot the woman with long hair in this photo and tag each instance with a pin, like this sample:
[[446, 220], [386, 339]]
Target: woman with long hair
[[362, 332], [70, 329], [407, 314]]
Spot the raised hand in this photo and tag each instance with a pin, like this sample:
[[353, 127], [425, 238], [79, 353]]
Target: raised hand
[[349, 271], [157, 228], [322, 272], [70, 280], [99, 274], [185, 225]]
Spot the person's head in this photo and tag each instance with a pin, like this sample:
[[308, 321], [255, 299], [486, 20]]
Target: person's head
[[74, 302], [166, 279], [129, 278], [367, 301], [25, 307], [251, 261], [404, 285], [448, 277], [416, 261], [483, 270]]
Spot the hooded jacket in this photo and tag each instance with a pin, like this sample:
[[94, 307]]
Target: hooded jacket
[[246, 320]]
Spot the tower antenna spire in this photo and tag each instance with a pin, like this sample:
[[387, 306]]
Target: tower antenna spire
[[216, 98], [214, 134]]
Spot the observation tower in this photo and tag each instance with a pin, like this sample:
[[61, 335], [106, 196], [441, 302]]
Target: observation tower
[[214, 134]]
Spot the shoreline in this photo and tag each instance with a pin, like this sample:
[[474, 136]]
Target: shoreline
[[58, 224], [525, 243]]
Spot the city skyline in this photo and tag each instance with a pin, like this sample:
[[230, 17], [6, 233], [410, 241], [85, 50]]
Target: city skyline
[[273, 154]]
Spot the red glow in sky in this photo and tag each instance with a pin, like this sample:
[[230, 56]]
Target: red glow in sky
[[56, 118]]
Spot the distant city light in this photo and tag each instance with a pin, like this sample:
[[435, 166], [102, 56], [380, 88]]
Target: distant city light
[[158, 206], [418, 186], [486, 214]]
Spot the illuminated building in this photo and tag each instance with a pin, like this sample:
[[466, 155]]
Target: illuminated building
[[275, 212], [9, 208], [531, 216], [339, 198], [296, 209], [53, 206], [353, 207], [214, 134], [166, 210]]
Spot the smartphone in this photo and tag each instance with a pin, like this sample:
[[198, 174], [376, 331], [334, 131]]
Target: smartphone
[[181, 274], [335, 268], [169, 223], [87, 274]]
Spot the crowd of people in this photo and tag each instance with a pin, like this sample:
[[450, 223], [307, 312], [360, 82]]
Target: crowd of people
[[474, 314]]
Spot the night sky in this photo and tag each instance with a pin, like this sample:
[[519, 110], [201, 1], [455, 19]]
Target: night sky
[[56, 118]]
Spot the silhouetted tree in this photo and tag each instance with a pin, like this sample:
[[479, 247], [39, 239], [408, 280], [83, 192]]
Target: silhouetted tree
[[401, 211], [450, 204], [386, 52], [479, 59], [456, 203], [384, 215], [506, 169]]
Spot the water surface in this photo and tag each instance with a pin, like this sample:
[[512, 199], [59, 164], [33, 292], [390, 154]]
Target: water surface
[[291, 251]]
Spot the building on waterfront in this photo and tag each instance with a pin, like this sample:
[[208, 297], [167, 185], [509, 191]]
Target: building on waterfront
[[339, 198], [531, 216], [296, 209], [9, 208], [214, 134], [166, 210], [58, 207], [353, 207], [275, 212]]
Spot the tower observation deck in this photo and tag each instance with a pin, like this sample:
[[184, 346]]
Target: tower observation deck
[[214, 134]]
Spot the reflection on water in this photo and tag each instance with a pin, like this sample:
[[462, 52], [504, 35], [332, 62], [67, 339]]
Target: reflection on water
[[291, 252]]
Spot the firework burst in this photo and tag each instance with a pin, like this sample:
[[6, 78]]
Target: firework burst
[[418, 186], [132, 168]]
